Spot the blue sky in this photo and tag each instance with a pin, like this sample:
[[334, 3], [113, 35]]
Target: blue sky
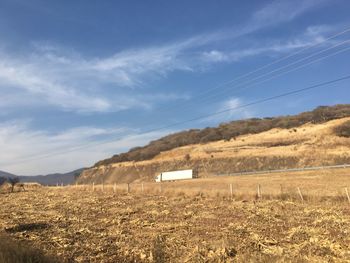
[[74, 74]]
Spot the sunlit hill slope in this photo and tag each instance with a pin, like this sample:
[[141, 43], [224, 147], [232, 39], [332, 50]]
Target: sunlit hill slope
[[316, 138]]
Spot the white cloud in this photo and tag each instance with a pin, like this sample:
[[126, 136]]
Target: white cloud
[[28, 152], [313, 35], [60, 77], [66, 79], [32, 79], [284, 10], [237, 112]]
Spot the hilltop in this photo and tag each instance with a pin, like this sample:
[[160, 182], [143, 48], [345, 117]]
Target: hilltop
[[318, 137]]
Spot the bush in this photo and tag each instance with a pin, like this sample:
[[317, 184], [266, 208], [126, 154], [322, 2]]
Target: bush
[[343, 130], [13, 181], [2, 180]]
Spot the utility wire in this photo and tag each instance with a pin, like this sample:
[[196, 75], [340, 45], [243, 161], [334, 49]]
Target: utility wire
[[223, 84], [39, 157], [265, 66], [251, 83], [243, 87]]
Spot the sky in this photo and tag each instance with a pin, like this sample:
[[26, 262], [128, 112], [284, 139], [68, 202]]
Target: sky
[[82, 80]]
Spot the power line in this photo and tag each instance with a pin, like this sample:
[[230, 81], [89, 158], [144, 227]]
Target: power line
[[251, 83], [262, 100], [228, 82], [264, 66], [287, 56], [301, 66], [39, 157]]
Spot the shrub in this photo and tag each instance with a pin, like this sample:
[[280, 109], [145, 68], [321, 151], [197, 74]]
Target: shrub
[[343, 130], [13, 181], [2, 180]]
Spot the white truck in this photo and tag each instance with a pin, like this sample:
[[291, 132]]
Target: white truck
[[174, 175]]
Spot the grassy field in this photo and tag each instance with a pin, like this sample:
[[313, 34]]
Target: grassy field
[[196, 222], [313, 185]]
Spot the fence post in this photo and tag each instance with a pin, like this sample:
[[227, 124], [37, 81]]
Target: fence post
[[259, 191], [128, 188], [231, 191], [347, 194], [300, 194]]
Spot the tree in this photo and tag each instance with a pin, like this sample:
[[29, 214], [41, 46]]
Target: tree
[[2, 180], [13, 181]]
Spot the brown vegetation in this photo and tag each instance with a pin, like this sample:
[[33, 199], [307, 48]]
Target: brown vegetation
[[14, 251], [343, 130], [192, 221], [227, 131], [308, 145]]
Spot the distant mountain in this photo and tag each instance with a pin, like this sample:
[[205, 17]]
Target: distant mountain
[[5, 174], [50, 179]]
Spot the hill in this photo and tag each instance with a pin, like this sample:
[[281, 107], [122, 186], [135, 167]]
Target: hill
[[53, 179], [319, 137], [50, 179], [227, 131]]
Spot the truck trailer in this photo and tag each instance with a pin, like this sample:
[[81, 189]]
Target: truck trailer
[[174, 175]]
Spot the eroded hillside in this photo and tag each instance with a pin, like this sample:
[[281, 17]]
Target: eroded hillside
[[306, 145]]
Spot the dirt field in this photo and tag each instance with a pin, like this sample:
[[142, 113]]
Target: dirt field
[[81, 225]]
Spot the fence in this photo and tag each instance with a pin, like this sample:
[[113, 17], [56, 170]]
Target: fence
[[305, 184]]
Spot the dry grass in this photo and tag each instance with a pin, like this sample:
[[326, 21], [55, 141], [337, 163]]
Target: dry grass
[[13, 251], [314, 185], [308, 145], [279, 142], [192, 221]]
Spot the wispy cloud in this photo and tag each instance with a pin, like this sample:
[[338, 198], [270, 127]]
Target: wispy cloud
[[313, 35], [284, 10], [237, 112], [74, 82], [35, 79], [21, 143]]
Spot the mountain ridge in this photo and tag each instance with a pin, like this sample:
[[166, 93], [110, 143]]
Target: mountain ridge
[[49, 179]]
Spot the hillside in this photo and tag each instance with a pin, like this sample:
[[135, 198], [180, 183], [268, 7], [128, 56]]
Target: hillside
[[318, 142], [227, 131]]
